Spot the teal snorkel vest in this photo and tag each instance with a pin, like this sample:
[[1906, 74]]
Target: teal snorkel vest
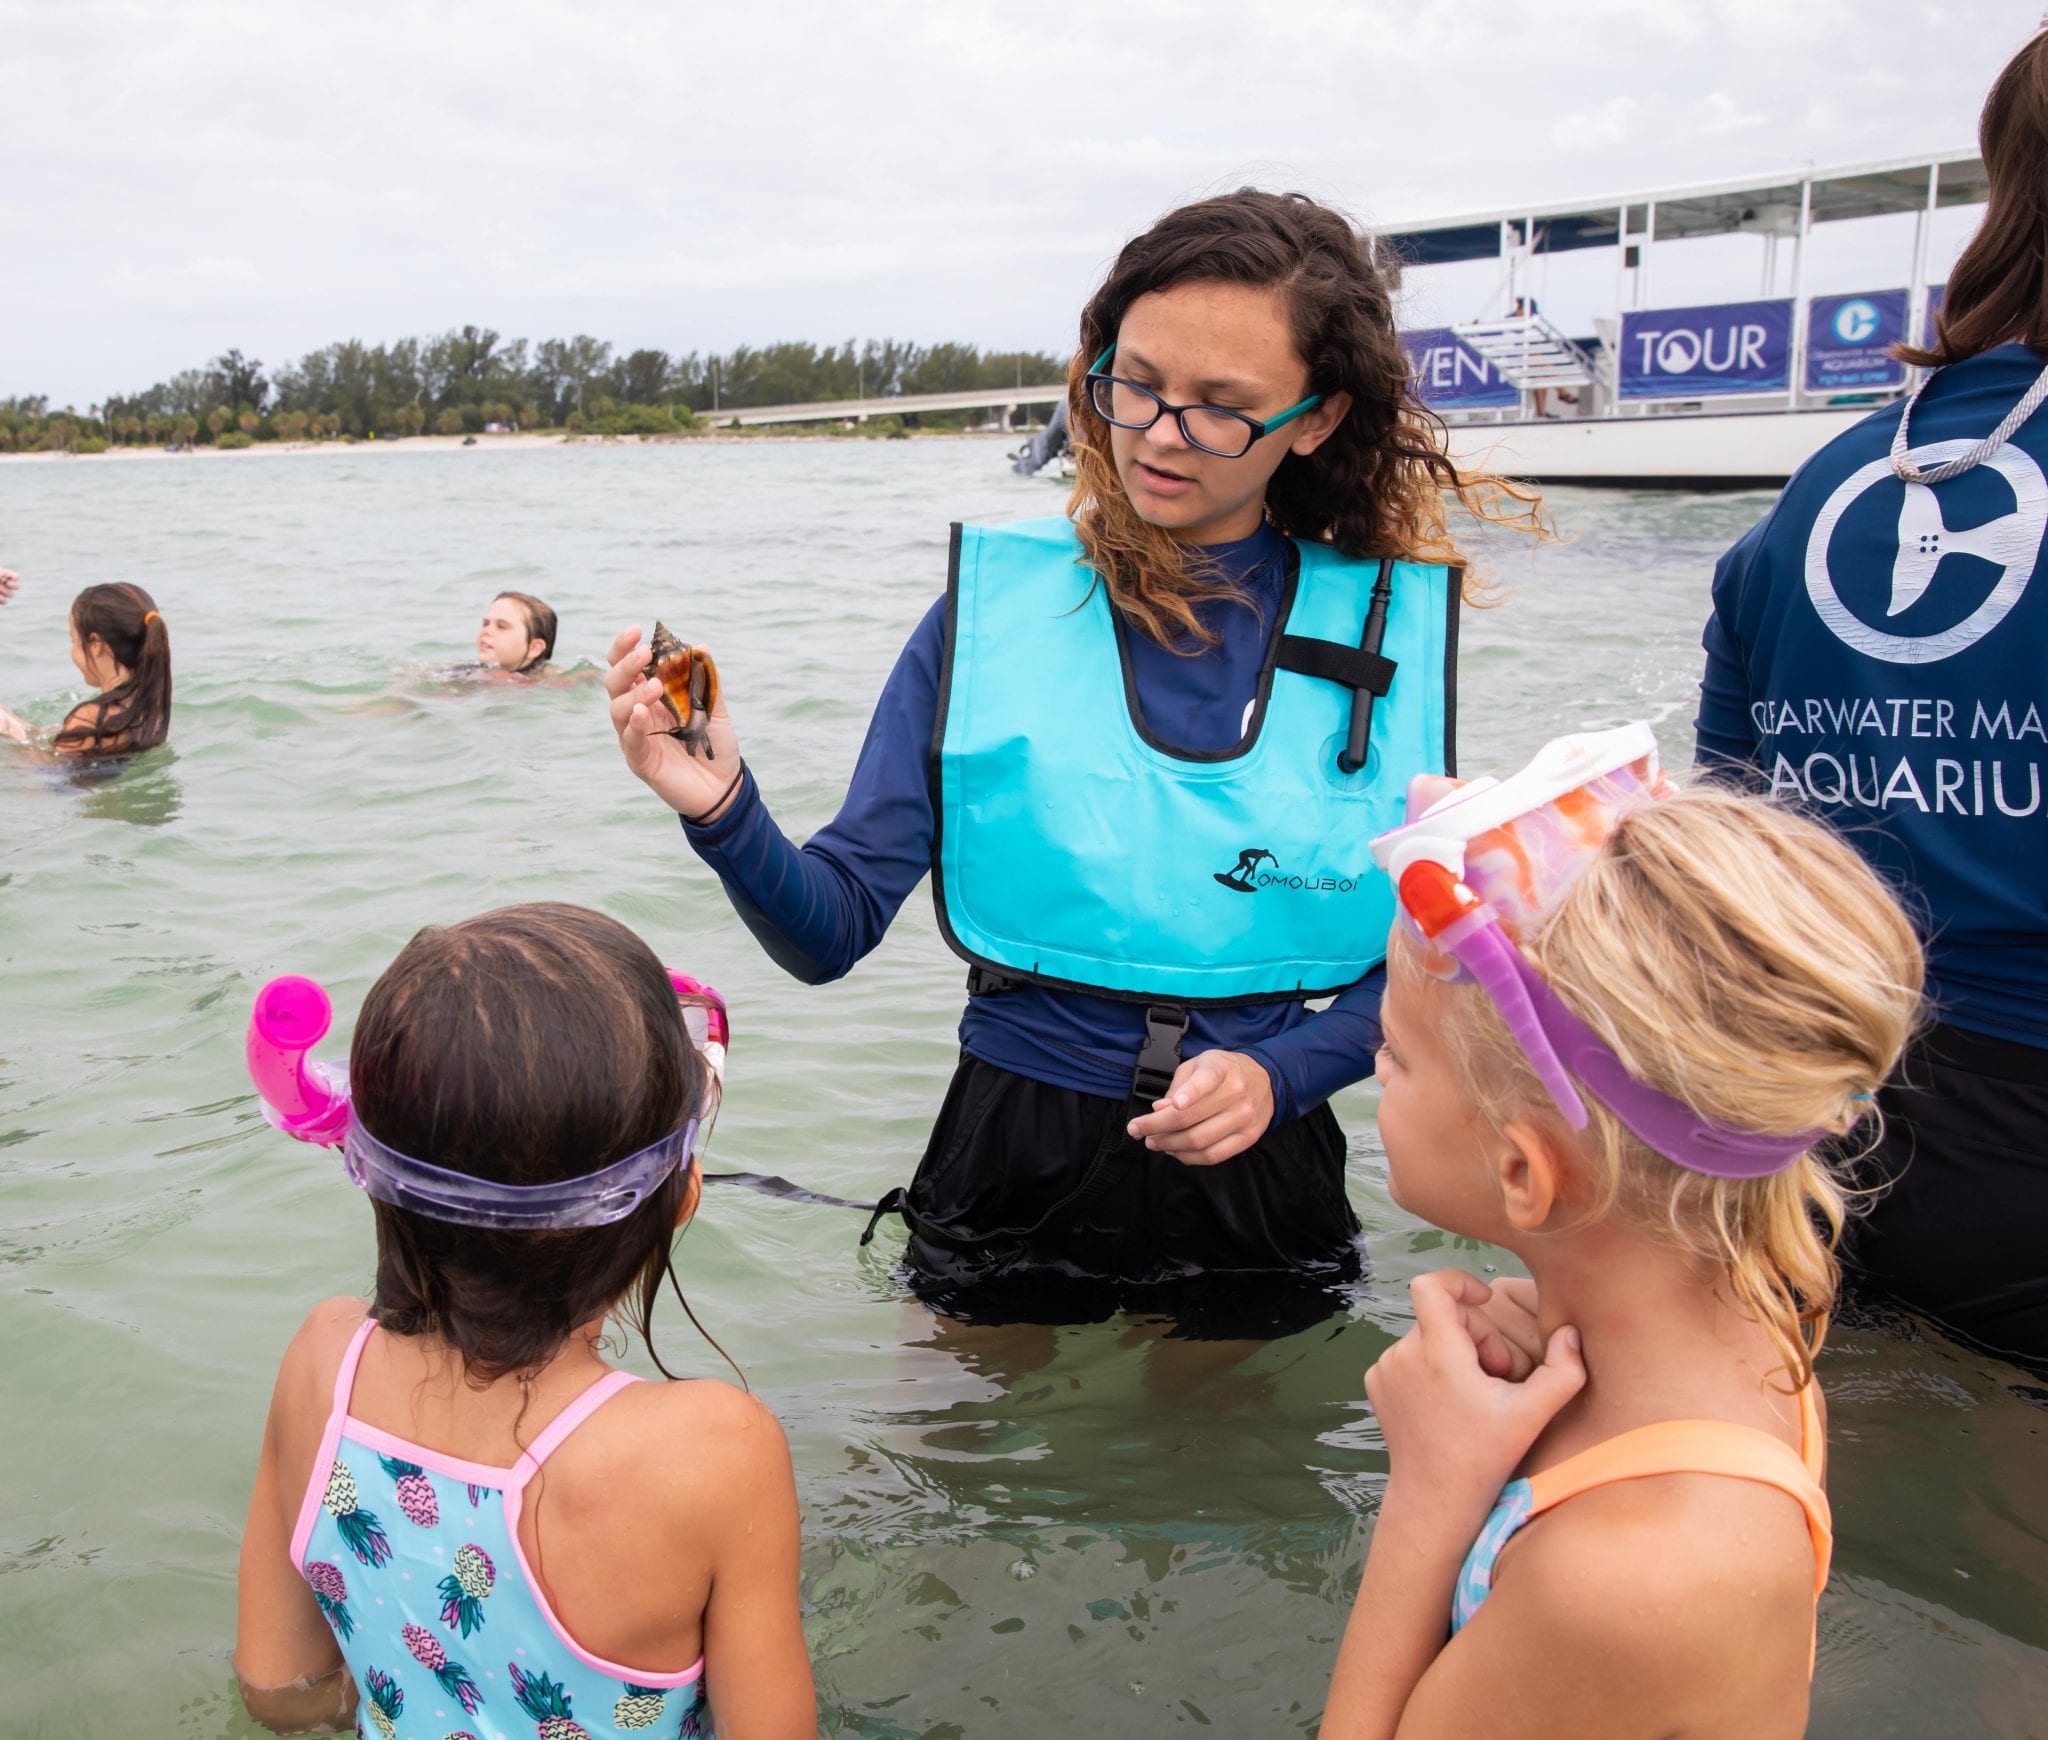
[[1073, 849]]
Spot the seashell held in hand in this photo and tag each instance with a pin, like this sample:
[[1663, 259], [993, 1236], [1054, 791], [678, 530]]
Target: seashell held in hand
[[689, 689]]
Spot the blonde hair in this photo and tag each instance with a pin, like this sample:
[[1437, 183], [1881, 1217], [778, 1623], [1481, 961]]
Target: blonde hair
[[1745, 961], [1373, 488]]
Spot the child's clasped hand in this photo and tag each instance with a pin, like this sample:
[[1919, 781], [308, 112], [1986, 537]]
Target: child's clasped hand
[[1463, 1395]]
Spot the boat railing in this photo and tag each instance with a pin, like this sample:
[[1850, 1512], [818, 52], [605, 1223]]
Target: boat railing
[[1787, 347], [1527, 351]]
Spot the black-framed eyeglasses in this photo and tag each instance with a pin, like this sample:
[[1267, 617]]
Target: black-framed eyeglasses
[[1227, 434]]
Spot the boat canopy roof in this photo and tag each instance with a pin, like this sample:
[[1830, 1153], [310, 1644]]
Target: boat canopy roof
[[1766, 206]]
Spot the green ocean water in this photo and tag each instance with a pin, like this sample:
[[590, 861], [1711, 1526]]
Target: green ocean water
[[1095, 1530]]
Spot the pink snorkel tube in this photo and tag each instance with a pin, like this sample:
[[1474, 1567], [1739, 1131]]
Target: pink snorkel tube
[[302, 1098], [310, 1100]]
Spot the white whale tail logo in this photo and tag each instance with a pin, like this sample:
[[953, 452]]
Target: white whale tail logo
[[1924, 539], [2010, 544]]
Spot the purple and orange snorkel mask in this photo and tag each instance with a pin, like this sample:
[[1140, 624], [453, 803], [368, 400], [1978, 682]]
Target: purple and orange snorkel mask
[[310, 1100], [1490, 858]]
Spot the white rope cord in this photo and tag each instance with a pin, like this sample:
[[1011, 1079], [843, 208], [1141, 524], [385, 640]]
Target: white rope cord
[[1908, 472]]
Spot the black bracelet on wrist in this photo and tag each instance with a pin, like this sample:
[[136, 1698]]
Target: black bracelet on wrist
[[705, 819]]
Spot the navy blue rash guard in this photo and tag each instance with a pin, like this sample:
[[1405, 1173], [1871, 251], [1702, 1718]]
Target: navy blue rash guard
[[1880, 652], [817, 910]]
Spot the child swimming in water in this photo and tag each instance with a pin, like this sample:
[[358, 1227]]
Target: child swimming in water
[[119, 645], [1604, 1510], [464, 1521], [517, 634]]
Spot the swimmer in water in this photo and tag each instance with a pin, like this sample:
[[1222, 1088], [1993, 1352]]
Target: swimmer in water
[[1619, 1022], [517, 635], [120, 646], [527, 1098]]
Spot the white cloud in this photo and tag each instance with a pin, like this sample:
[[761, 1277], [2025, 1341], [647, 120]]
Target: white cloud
[[187, 176], [1723, 114], [1605, 126]]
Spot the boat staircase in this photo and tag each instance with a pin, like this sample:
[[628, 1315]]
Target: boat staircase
[[1527, 351]]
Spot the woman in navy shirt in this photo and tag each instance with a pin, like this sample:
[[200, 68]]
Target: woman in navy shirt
[[1875, 650]]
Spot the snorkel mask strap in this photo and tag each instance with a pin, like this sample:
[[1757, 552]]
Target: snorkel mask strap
[[594, 1199], [1658, 1120]]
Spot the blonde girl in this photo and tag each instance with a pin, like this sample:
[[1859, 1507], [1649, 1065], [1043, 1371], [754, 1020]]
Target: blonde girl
[[1619, 1020]]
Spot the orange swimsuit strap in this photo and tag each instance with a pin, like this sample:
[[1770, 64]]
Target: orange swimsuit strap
[[1707, 1447]]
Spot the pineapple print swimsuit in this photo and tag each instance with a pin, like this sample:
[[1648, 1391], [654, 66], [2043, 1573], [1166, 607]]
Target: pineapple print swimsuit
[[414, 1558]]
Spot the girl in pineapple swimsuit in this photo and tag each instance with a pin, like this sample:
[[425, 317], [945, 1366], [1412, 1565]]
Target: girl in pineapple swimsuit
[[465, 1523]]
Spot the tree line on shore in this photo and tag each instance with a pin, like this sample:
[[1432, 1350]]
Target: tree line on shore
[[470, 380]]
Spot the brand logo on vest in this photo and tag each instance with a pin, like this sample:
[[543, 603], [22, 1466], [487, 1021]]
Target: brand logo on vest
[[1246, 876], [2010, 543], [1240, 875]]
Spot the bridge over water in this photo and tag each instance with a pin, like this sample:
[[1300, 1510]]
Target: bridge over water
[[1004, 399]]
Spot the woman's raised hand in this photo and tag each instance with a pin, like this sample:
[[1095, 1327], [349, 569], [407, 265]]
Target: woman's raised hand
[[695, 786]]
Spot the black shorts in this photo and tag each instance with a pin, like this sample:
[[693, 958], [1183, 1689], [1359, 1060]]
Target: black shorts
[[1031, 1203], [1961, 1233]]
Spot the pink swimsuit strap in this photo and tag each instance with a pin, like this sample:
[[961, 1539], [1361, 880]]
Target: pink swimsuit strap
[[591, 1398]]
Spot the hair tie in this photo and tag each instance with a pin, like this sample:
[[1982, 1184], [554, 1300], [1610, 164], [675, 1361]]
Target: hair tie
[[704, 820], [149, 616]]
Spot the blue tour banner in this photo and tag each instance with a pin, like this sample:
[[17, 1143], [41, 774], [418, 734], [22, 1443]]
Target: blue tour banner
[[1451, 376], [1847, 337], [1693, 353]]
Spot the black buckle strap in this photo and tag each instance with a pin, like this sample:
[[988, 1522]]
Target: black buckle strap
[[1362, 668], [1159, 1057], [989, 981], [1352, 667]]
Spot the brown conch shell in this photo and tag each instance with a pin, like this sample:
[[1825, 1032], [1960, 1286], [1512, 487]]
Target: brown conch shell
[[689, 683]]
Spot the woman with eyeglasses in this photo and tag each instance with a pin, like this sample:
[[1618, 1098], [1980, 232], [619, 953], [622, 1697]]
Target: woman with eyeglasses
[[1140, 749]]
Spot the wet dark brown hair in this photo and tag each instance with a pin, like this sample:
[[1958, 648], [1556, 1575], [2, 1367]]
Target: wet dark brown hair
[[132, 715], [1998, 291], [540, 625], [527, 1045], [1373, 488]]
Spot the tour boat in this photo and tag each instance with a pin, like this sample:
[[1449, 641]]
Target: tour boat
[[1708, 395]]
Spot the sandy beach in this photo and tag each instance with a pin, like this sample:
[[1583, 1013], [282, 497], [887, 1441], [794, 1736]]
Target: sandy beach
[[481, 443]]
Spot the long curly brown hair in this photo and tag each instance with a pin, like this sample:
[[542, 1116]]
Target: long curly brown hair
[[1373, 488]]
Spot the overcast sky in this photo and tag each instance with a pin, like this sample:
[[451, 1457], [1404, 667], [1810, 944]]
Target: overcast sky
[[184, 177]]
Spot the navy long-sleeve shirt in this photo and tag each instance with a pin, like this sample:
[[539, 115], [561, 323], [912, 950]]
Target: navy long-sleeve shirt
[[1876, 650], [819, 909]]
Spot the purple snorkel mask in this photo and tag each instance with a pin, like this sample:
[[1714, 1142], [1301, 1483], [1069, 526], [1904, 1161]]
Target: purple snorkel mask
[[1522, 841], [310, 1100]]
